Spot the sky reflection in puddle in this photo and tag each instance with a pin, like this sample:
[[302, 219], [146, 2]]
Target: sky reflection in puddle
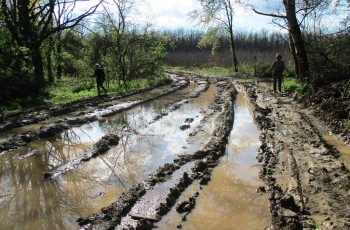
[[29, 202]]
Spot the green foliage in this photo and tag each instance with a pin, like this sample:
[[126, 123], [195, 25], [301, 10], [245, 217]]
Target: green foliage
[[311, 224], [83, 85], [211, 39], [294, 86], [246, 68], [328, 58], [347, 124], [69, 89]]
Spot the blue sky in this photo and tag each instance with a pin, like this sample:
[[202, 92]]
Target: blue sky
[[172, 14]]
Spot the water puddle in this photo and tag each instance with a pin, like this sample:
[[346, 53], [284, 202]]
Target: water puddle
[[110, 104], [30, 202], [343, 148], [230, 200]]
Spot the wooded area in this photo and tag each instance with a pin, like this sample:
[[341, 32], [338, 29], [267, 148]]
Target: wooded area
[[41, 42]]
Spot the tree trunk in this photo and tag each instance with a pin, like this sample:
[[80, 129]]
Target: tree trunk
[[297, 39], [59, 55], [38, 65], [294, 55], [233, 51], [49, 66]]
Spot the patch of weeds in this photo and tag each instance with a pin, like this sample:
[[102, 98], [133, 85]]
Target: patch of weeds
[[311, 224], [162, 178], [347, 124], [246, 68], [84, 85], [344, 185], [292, 85]]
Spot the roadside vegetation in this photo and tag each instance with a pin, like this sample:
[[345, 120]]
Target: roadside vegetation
[[55, 67]]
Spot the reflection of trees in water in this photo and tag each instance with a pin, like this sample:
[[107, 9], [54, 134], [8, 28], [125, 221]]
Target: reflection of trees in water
[[34, 203], [39, 204], [64, 148], [30, 197]]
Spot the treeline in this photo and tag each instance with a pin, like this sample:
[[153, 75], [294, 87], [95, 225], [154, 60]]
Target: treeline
[[251, 47], [39, 47]]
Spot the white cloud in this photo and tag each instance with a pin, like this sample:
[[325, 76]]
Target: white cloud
[[172, 14], [168, 14]]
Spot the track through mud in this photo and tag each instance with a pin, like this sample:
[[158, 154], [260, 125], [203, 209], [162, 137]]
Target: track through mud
[[305, 179]]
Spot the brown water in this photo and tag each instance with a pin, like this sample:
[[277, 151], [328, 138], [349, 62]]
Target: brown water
[[230, 200], [343, 148], [29, 202], [118, 102]]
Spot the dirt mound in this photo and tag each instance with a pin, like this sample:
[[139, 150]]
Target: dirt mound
[[307, 182], [331, 103]]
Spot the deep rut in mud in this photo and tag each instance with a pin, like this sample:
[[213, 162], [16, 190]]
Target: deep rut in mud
[[78, 163], [144, 159]]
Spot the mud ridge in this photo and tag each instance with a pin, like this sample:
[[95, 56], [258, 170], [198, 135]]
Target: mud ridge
[[100, 147], [201, 86], [204, 161], [46, 131], [306, 182], [32, 117]]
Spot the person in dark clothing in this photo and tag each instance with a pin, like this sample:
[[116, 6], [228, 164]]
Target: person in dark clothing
[[277, 72], [100, 78]]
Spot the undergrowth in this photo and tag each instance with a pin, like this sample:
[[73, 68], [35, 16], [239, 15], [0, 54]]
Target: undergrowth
[[70, 89]]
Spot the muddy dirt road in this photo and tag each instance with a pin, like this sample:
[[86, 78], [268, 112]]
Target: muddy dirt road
[[185, 155]]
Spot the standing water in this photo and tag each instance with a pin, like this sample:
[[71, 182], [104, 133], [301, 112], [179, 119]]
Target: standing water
[[28, 201], [230, 200]]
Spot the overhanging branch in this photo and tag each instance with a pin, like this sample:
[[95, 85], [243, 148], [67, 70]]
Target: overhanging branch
[[269, 14]]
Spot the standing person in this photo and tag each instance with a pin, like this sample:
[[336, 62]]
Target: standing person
[[277, 72], [100, 78]]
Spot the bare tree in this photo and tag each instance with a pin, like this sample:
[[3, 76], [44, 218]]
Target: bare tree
[[31, 22], [218, 15]]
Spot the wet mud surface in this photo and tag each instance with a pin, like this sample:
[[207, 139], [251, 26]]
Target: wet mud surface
[[307, 182], [129, 162]]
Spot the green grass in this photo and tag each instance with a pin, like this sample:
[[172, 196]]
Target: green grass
[[215, 71], [347, 124], [292, 85], [67, 91], [70, 89]]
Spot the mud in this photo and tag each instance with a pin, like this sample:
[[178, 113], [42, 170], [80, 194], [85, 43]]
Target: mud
[[304, 177], [307, 183], [204, 160], [49, 130]]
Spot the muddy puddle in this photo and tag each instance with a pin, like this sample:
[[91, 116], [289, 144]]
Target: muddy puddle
[[230, 200], [338, 144], [342, 147], [30, 202], [118, 101]]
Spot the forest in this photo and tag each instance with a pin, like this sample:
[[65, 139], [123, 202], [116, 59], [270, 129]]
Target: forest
[[46, 44]]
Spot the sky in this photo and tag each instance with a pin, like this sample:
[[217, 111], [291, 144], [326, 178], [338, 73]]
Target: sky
[[172, 14]]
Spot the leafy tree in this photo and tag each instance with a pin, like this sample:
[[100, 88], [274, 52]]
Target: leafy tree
[[218, 15], [31, 22], [128, 52]]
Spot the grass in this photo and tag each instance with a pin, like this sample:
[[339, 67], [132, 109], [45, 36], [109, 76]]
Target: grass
[[292, 85], [347, 124], [70, 89], [64, 91], [216, 71]]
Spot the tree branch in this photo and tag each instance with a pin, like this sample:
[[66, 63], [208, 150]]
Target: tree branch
[[269, 14]]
